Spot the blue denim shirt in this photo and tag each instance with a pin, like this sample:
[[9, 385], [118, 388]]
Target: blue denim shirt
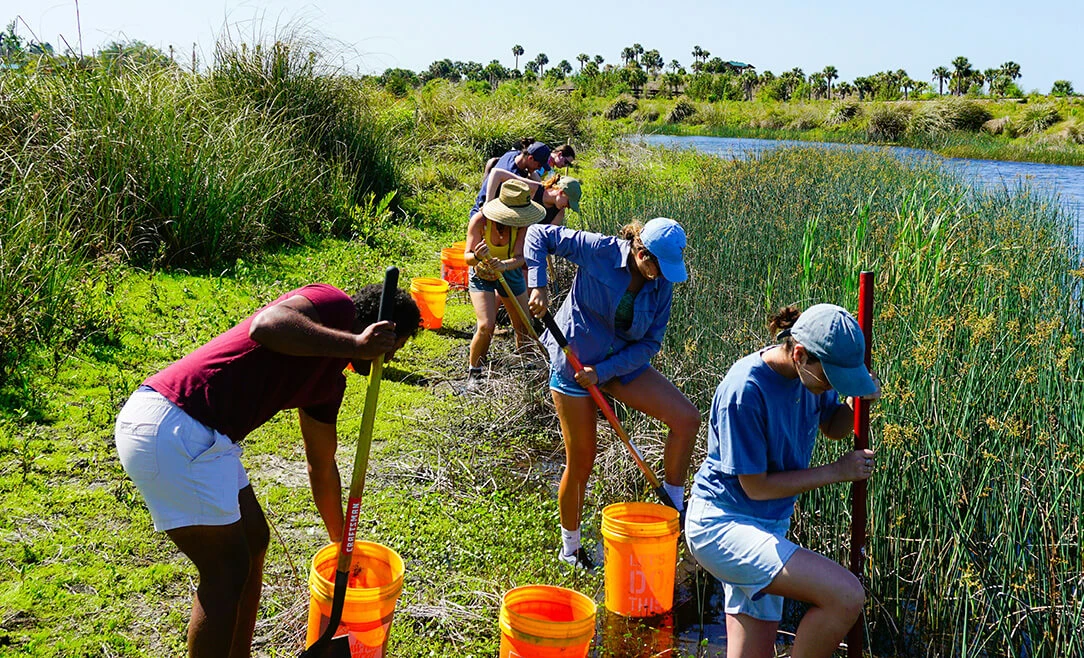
[[587, 315]]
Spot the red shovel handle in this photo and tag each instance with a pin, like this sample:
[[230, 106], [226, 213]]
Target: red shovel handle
[[856, 637]]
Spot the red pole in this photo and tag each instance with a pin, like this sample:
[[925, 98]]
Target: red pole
[[856, 637]]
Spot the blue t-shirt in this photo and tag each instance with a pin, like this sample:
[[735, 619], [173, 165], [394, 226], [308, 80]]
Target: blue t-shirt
[[508, 163], [760, 422]]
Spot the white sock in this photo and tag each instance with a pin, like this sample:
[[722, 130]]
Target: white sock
[[570, 540], [676, 493]]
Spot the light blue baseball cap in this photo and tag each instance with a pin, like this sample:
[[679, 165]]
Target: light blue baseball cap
[[831, 334], [665, 239]]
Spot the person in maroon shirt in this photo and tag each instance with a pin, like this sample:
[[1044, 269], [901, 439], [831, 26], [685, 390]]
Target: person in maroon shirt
[[178, 435]]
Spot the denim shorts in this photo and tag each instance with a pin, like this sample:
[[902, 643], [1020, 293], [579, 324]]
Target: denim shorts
[[513, 277], [568, 385], [187, 473], [745, 553]]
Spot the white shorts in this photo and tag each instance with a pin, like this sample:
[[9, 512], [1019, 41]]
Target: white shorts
[[745, 553], [188, 473]]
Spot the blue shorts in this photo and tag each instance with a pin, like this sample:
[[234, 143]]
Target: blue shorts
[[745, 553], [568, 386], [513, 277]]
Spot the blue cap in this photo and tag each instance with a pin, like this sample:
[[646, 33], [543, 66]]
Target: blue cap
[[831, 334], [540, 152], [665, 239]]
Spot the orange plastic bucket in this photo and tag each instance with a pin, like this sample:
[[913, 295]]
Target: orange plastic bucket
[[640, 545], [453, 267], [431, 296], [543, 621], [375, 583]]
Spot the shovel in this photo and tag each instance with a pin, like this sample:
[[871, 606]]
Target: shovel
[[608, 411], [327, 645]]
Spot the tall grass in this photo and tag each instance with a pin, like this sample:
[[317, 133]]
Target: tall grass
[[975, 507]]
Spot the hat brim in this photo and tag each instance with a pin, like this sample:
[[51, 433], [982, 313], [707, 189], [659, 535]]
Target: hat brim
[[672, 271], [575, 205], [850, 382], [517, 216]]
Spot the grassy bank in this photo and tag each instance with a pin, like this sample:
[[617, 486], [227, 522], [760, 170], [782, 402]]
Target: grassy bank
[[164, 208], [1042, 131]]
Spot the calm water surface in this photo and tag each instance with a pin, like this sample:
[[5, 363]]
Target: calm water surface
[[1063, 182]]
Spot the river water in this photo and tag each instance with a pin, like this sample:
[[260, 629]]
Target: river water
[[1063, 182]]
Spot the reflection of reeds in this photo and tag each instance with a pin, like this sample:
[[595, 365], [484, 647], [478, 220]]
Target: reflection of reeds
[[975, 508]]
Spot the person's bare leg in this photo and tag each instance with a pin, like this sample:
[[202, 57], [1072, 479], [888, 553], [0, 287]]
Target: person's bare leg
[[523, 338], [485, 308], [257, 536], [749, 637], [577, 416], [656, 396], [835, 594], [221, 556]]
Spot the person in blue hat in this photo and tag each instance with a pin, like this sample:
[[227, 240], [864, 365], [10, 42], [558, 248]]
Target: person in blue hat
[[762, 426], [614, 318], [524, 161]]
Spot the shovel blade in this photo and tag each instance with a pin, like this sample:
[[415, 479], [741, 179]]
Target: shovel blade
[[336, 647]]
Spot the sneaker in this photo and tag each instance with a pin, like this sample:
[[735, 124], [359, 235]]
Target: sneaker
[[578, 560]]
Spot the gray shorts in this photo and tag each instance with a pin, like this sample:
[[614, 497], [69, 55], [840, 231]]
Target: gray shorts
[[745, 553]]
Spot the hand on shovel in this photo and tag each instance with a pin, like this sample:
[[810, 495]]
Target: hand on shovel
[[538, 302]]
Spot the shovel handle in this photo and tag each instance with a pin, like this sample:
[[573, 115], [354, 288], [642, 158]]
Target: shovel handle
[[357, 480], [608, 412], [514, 303]]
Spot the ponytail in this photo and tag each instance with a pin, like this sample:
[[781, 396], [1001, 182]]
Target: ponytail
[[779, 325], [631, 232]]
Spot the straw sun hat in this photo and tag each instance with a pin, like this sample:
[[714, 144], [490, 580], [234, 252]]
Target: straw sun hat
[[514, 206]]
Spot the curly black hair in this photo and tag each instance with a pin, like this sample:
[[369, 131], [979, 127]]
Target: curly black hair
[[407, 317]]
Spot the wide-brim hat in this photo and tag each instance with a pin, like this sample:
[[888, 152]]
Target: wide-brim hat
[[514, 207]]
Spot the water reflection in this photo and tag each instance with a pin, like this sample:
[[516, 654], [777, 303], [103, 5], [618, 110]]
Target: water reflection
[[1064, 182]]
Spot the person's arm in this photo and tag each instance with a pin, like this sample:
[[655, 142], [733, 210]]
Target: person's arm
[[635, 354], [840, 422], [853, 466], [293, 327], [497, 177], [320, 443], [542, 240]]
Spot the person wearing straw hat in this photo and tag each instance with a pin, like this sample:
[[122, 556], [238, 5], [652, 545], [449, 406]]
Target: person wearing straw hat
[[559, 192], [762, 427], [614, 318], [178, 438], [495, 247]]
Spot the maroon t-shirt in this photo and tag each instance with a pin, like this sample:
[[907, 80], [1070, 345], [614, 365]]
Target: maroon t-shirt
[[233, 384]]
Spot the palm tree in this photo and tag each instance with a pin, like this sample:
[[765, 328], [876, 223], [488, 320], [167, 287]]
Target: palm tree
[[674, 65], [599, 60], [962, 73], [542, 60], [582, 58], [652, 61], [517, 50], [628, 54], [941, 74], [639, 50], [748, 79], [991, 76], [1011, 70], [830, 73]]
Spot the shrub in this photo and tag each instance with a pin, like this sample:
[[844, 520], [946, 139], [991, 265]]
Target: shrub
[[887, 123], [948, 115], [623, 107], [683, 109], [647, 115], [1037, 118], [842, 112]]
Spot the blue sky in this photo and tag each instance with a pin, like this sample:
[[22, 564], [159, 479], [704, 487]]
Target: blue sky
[[857, 37]]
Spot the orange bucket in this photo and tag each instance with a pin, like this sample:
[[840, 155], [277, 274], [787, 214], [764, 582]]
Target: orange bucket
[[370, 597], [543, 621], [640, 545], [453, 268], [431, 296]]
